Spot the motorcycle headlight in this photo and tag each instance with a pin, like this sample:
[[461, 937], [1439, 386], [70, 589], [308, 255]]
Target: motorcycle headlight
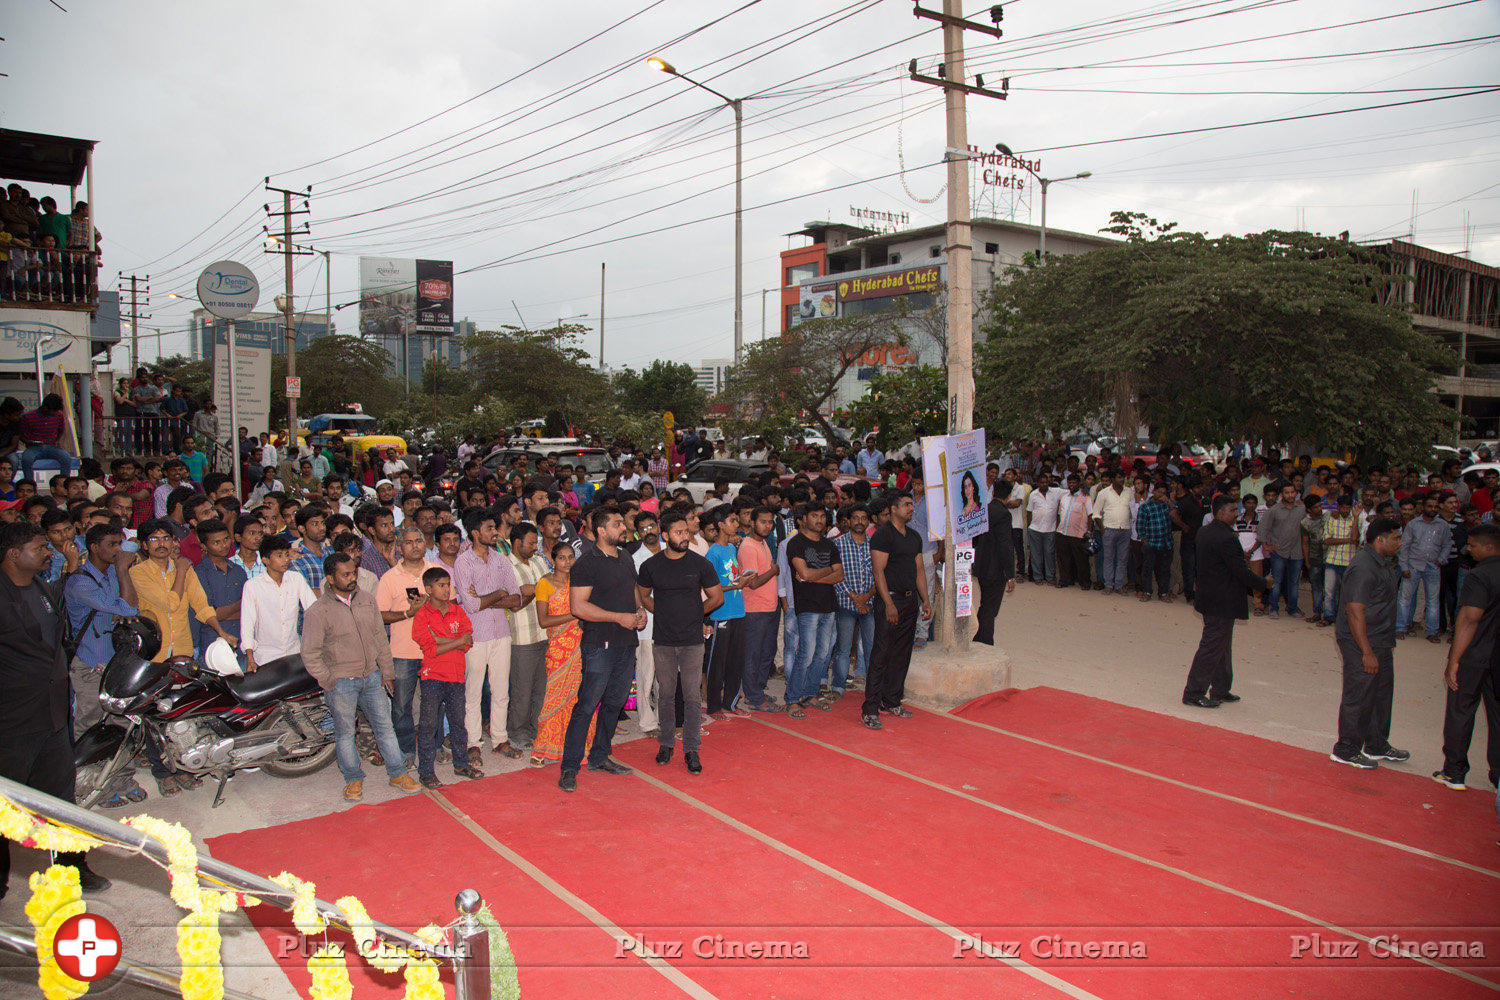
[[115, 705]]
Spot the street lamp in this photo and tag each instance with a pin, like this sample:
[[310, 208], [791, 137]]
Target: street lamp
[[1044, 182], [736, 105]]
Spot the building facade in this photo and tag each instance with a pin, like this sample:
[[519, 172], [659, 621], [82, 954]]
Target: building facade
[[847, 270], [712, 373]]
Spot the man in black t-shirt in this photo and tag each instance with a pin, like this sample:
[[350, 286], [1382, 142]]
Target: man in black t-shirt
[[815, 566], [602, 593], [1471, 675], [894, 551], [671, 585]]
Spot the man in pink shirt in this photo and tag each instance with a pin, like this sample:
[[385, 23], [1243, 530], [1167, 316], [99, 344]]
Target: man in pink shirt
[[399, 595], [761, 609], [485, 584]]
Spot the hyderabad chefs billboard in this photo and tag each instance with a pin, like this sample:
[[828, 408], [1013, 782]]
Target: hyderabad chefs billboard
[[398, 296]]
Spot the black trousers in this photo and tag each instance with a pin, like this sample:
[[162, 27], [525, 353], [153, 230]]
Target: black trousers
[[1447, 592], [726, 664], [890, 657], [45, 762], [1073, 561], [1365, 711], [1212, 671], [991, 592], [1474, 686], [1156, 564], [1018, 541]]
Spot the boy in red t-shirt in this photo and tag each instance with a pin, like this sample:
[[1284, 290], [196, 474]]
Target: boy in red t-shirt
[[442, 631]]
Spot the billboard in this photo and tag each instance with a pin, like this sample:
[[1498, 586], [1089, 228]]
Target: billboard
[[903, 282], [399, 296]]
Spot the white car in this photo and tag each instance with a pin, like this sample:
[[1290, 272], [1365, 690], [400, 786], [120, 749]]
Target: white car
[[701, 476]]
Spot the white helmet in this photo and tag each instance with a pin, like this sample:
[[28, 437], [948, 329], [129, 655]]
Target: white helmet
[[219, 658]]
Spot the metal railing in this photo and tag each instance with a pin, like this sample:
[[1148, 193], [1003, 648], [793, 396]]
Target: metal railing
[[137, 974], [42, 276], [469, 953], [155, 436]]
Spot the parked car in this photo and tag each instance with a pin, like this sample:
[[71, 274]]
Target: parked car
[[701, 476], [595, 461]]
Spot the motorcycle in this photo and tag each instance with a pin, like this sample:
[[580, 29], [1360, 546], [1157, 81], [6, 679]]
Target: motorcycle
[[200, 722]]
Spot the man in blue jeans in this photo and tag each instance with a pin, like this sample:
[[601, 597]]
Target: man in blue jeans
[[1280, 535], [1424, 544], [855, 617], [816, 568], [345, 649], [602, 592], [40, 430]]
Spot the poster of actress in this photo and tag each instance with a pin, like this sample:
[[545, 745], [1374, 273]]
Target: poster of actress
[[964, 477]]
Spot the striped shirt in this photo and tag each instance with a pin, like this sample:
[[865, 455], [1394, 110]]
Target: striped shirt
[[1338, 553], [1073, 513], [525, 630], [311, 566]]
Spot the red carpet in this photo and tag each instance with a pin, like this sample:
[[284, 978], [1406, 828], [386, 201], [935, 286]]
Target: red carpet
[[1077, 861]]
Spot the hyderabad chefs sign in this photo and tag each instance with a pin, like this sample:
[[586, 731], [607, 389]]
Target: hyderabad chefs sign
[[904, 282]]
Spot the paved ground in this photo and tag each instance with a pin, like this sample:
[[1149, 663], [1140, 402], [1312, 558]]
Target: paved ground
[[1115, 648]]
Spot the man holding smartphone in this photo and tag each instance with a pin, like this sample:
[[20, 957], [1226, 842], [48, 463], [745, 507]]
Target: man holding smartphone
[[399, 595]]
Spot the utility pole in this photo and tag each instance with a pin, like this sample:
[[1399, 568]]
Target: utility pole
[[138, 284], [601, 315], [283, 239], [953, 632]]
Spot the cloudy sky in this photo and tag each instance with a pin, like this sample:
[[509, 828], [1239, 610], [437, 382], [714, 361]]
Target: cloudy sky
[[530, 143]]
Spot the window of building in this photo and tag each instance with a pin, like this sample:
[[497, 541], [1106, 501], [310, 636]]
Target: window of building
[[791, 315], [992, 248], [934, 251], [895, 258], [799, 273]]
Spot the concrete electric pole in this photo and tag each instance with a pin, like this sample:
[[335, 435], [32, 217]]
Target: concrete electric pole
[[283, 241]]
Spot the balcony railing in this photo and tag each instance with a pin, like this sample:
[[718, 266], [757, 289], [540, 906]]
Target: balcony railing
[[50, 278]]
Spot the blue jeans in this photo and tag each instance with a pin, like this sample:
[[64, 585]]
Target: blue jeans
[[1286, 577], [1114, 558], [607, 673], [348, 695], [33, 452], [760, 654], [440, 700], [1043, 546], [1333, 582], [815, 634], [788, 640], [850, 624], [1407, 603], [402, 693], [1315, 574]]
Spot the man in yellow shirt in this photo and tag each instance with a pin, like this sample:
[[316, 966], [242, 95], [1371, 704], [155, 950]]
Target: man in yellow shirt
[[166, 588]]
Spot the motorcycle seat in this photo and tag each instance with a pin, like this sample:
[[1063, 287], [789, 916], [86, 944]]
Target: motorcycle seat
[[273, 681]]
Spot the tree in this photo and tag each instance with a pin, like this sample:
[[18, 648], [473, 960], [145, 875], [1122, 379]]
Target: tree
[[197, 377], [662, 386], [1273, 336], [534, 372], [788, 379], [335, 372], [903, 404]]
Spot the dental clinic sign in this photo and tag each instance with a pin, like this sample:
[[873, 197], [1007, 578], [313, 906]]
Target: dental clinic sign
[[228, 290], [64, 337]]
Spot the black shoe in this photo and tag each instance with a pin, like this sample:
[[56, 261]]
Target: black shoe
[[694, 765], [1202, 701], [431, 783], [664, 755], [1389, 753], [1226, 699], [611, 766], [1444, 778], [1358, 760], [873, 722], [91, 881], [569, 781], [900, 712]]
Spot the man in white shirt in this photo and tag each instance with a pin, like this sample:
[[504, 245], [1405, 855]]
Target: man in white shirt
[[629, 478], [269, 606], [1112, 511], [268, 456], [1042, 505]]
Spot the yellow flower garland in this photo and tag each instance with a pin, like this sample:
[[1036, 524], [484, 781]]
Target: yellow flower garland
[[330, 974], [305, 915], [32, 831], [182, 857], [198, 945], [55, 898]]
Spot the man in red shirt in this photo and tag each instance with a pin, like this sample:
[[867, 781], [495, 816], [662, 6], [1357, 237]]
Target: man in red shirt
[[443, 633], [40, 431]]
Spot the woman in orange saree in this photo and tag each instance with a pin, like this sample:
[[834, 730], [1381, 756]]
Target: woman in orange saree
[[564, 659]]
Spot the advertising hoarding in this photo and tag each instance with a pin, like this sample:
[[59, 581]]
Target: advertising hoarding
[[399, 296]]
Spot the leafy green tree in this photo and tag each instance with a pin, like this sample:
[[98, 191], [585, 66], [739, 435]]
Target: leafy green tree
[[903, 404], [1274, 336], [535, 372], [786, 380], [335, 372], [197, 377], [663, 386]]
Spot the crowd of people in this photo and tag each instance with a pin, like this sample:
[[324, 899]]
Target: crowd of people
[[45, 255], [520, 612]]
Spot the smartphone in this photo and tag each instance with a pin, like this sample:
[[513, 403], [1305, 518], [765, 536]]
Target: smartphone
[[411, 593]]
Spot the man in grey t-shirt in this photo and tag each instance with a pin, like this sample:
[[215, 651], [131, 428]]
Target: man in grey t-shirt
[[1366, 634], [1280, 536]]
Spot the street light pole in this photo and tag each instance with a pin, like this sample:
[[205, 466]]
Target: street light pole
[[737, 106], [1045, 182]]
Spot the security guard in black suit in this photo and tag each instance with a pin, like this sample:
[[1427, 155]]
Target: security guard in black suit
[[1224, 586]]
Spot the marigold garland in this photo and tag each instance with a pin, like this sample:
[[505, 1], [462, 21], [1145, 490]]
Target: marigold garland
[[330, 974], [198, 946], [305, 915], [55, 898], [33, 831], [182, 857], [422, 979]]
